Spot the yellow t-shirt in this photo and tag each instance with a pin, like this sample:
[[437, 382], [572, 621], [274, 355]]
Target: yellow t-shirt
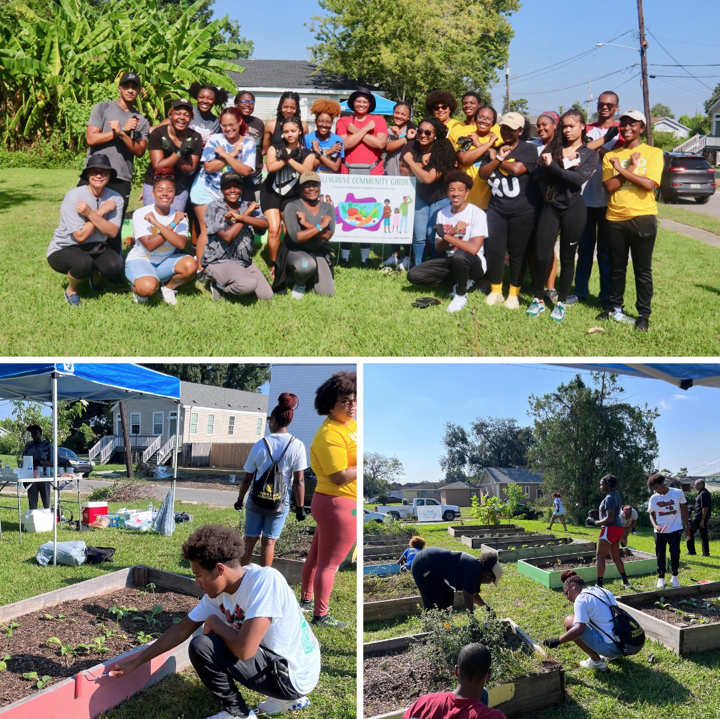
[[631, 200], [480, 193], [334, 448], [451, 124]]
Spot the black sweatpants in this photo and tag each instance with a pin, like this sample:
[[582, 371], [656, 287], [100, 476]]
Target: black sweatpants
[[636, 236], [38, 488], [507, 234], [435, 592], [671, 540], [460, 267], [123, 187], [217, 667], [704, 539], [570, 223], [82, 260]]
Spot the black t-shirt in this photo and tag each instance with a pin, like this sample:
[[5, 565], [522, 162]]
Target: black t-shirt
[[703, 499], [514, 195], [568, 183], [182, 180], [256, 129], [284, 182], [460, 570], [428, 192]]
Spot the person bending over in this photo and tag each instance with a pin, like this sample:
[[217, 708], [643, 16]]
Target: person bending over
[[630, 520], [253, 631]]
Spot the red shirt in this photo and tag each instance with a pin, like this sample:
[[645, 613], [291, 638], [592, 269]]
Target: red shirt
[[446, 705], [361, 154], [619, 139]]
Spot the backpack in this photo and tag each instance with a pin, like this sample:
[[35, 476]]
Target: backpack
[[270, 489], [630, 635]]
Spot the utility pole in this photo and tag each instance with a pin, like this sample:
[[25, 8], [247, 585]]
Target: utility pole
[[126, 440], [507, 88], [644, 70], [587, 104]]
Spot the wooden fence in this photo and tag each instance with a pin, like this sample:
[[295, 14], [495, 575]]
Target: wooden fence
[[215, 454]]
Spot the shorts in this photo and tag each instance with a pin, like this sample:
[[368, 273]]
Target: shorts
[[199, 194], [260, 524], [594, 639], [561, 513], [162, 272], [272, 200], [612, 534]]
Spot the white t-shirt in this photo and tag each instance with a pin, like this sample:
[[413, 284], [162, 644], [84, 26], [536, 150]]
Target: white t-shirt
[[263, 592], [142, 227], [593, 192], [667, 509], [587, 606], [295, 458], [559, 509], [627, 521], [476, 221]]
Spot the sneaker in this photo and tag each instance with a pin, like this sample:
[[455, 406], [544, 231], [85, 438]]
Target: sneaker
[[391, 261], [494, 298], [404, 265], [138, 299], [459, 301], [558, 313], [675, 581], [216, 292], [306, 605], [604, 316], [297, 292], [600, 665], [73, 300], [170, 296], [280, 706], [619, 316], [512, 302], [627, 585], [642, 324], [551, 295], [536, 307], [660, 583], [574, 299], [201, 276], [329, 622], [226, 715], [470, 285]]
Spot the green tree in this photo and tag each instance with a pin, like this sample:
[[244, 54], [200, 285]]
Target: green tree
[[583, 432], [248, 377], [378, 472], [489, 511], [660, 110], [408, 50], [666, 141], [514, 496], [712, 99], [682, 472], [522, 106], [698, 124]]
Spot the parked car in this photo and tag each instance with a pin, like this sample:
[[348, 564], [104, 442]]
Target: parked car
[[686, 176], [378, 517], [68, 458], [447, 511]]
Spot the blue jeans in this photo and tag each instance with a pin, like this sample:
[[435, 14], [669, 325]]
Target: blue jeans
[[595, 226], [424, 227]]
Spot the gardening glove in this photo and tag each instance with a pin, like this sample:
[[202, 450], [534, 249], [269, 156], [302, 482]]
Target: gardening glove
[[424, 302], [552, 643], [185, 148], [299, 514], [611, 134], [283, 154], [238, 505], [166, 144], [464, 144]]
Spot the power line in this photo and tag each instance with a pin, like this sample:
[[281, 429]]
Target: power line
[[579, 84], [679, 64], [657, 64], [684, 42]]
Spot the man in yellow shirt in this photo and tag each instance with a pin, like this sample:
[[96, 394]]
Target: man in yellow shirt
[[631, 175]]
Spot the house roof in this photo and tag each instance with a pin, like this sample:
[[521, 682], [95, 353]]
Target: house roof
[[291, 74], [457, 485], [420, 485], [193, 394], [669, 121], [503, 475]]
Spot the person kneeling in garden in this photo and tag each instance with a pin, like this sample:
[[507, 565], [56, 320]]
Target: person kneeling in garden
[[253, 630], [157, 263], [469, 700]]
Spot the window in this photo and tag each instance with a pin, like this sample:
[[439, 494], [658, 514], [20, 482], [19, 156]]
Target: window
[[259, 427], [526, 490], [172, 424], [539, 493], [135, 423], [118, 425], [231, 424], [211, 423], [193, 422], [158, 422]]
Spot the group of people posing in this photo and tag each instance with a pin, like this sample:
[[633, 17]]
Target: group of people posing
[[484, 192]]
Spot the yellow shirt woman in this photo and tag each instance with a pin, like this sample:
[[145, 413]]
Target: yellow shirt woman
[[333, 449], [480, 193]]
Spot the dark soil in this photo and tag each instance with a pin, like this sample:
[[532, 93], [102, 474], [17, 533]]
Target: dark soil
[[703, 609], [585, 563], [388, 586], [29, 651]]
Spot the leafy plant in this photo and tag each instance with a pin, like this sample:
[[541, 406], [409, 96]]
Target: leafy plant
[[3, 662], [65, 649], [120, 612], [152, 587], [488, 512], [144, 638], [40, 682], [9, 629], [152, 617], [663, 603], [59, 618]]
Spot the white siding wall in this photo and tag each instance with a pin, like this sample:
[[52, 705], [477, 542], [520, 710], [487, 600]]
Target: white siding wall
[[302, 380], [246, 426]]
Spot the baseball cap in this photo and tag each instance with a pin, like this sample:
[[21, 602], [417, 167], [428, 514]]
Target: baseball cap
[[33, 427], [229, 177], [513, 120], [130, 77], [497, 571], [309, 176], [635, 115], [181, 102]]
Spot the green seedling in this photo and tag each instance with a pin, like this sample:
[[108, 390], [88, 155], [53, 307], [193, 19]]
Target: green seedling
[[144, 638], [3, 662], [9, 629], [98, 645], [152, 617], [59, 618], [40, 682], [65, 649], [121, 612], [663, 603], [152, 587]]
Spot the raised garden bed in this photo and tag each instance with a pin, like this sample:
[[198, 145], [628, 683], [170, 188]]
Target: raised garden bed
[[678, 633], [382, 539], [396, 673], [512, 551], [457, 530], [548, 570], [402, 607], [475, 541], [381, 568], [382, 552]]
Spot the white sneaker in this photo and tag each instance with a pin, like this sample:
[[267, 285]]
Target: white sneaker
[[676, 582], [225, 715], [297, 292], [601, 666], [627, 586], [512, 302], [661, 583], [494, 298], [391, 261], [168, 295], [470, 285], [216, 293], [138, 299], [459, 301], [279, 706], [404, 265]]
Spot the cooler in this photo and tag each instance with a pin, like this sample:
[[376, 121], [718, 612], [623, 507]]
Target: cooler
[[92, 510], [38, 520]]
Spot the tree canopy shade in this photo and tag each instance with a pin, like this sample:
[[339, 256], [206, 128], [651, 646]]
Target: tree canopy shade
[[661, 110], [585, 432], [248, 377], [409, 48], [378, 472]]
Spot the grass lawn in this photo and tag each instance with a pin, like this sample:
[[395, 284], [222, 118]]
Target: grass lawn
[[181, 695], [38, 322], [672, 687], [687, 217]]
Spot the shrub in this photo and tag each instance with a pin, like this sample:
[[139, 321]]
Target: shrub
[[122, 490], [49, 154]]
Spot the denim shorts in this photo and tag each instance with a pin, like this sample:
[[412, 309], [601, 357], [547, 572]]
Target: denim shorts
[[260, 524], [598, 642], [162, 272]]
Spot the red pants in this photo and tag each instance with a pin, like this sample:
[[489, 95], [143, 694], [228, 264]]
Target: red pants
[[335, 534]]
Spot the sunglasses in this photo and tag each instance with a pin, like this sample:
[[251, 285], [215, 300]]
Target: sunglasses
[[442, 107], [426, 132], [247, 102], [606, 104]]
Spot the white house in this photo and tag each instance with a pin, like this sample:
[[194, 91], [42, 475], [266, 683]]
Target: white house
[[667, 124], [707, 145]]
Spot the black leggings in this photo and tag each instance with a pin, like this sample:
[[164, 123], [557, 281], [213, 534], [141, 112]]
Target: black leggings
[[671, 540], [511, 234], [461, 266], [81, 261], [435, 593], [570, 223]]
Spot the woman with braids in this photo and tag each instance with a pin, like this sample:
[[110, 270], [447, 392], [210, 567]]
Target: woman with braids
[[439, 573], [287, 159], [289, 452], [253, 632], [563, 168], [228, 150], [442, 104], [613, 528], [245, 102], [591, 625], [333, 457], [429, 157], [288, 106], [327, 147]]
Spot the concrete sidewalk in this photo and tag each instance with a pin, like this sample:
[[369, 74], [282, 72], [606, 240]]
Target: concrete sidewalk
[[709, 238]]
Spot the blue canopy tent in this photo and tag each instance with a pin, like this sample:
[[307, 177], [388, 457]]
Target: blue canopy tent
[[383, 106], [682, 375], [50, 383]]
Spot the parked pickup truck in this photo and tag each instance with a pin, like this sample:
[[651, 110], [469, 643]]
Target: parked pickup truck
[[448, 511]]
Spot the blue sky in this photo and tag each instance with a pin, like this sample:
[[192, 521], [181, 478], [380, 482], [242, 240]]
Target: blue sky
[[406, 406], [548, 33]]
